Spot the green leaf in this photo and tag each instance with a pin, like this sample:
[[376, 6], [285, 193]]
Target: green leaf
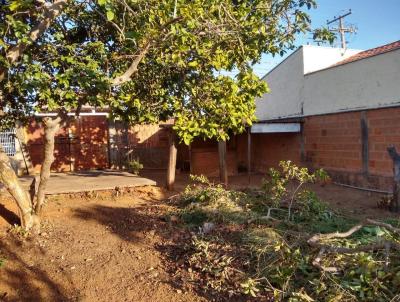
[[110, 15], [14, 6], [193, 64]]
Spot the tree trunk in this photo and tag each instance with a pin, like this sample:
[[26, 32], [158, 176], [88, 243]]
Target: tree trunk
[[28, 210], [394, 204], [21, 197], [51, 126], [223, 169], [171, 161]]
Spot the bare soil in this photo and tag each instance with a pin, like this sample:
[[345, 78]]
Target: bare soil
[[93, 249], [103, 247]]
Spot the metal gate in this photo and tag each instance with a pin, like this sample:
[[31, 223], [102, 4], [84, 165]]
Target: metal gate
[[146, 143], [7, 140]]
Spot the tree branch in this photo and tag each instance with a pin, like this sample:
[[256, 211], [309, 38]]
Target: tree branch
[[50, 13], [314, 240], [133, 68], [384, 225]]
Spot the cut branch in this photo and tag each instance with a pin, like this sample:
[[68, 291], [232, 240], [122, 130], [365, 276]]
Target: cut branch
[[384, 225], [317, 263], [315, 241]]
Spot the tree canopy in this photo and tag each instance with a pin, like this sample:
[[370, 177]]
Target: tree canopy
[[145, 60]]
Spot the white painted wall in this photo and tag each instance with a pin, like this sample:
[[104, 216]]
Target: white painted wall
[[286, 84], [368, 83], [286, 81], [318, 57]]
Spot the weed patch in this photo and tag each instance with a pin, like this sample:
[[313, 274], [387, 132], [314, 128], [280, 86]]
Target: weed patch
[[282, 243]]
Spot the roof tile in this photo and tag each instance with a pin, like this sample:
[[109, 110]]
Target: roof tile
[[370, 53]]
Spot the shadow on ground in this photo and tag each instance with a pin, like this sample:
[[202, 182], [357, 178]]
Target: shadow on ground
[[24, 280], [9, 216], [150, 224], [130, 224]]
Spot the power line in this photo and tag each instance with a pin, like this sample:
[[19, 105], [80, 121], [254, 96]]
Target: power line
[[341, 29]]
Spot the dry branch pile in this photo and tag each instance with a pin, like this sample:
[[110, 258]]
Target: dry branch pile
[[257, 250]]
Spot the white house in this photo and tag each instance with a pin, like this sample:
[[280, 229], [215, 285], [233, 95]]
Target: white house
[[346, 106]]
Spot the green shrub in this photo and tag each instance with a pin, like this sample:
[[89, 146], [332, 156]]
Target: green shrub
[[134, 166]]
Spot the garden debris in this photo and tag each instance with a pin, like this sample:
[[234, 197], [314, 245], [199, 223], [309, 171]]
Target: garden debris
[[282, 243]]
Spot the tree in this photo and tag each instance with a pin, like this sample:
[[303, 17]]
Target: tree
[[146, 60]]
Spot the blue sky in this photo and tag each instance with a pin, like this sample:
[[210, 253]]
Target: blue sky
[[378, 23]]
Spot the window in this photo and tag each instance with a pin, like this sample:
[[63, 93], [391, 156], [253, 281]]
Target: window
[[7, 140]]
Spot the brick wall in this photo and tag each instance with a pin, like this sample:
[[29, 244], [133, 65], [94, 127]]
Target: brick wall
[[205, 158], [334, 142], [384, 130], [270, 148], [86, 150], [34, 140], [90, 148]]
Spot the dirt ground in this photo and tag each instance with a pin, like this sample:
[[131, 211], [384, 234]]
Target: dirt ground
[[98, 249], [102, 247]]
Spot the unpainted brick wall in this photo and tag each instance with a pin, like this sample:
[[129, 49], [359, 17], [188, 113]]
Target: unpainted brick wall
[[149, 143], [334, 142], [90, 146], [384, 130], [86, 150], [205, 158], [271, 148]]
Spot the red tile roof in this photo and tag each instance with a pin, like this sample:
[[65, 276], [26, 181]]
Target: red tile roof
[[370, 53]]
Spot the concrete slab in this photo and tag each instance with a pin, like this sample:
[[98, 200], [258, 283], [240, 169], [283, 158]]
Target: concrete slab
[[86, 181]]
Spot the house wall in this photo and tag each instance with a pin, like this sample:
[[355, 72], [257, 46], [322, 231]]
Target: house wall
[[384, 130], [271, 148], [334, 142], [364, 84], [333, 104], [148, 143], [286, 81], [98, 143], [205, 158], [86, 149], [320, 57]]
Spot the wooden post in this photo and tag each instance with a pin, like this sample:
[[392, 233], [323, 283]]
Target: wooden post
[[394, 204], [223, 169], [249, 154], [364, 143], [190, 159], [171, 161]]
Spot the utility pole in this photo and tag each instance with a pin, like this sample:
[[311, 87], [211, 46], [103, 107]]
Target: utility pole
[[342, 30]]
